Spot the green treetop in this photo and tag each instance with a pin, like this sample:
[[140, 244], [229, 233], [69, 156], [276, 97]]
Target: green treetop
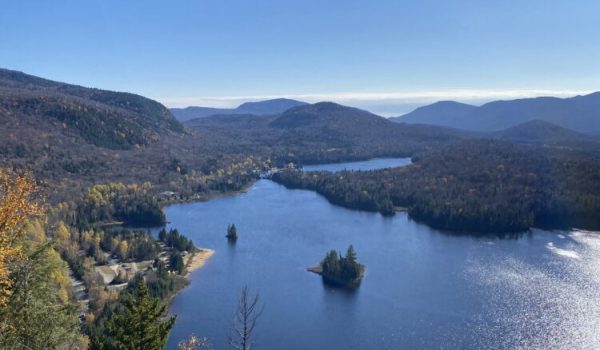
[[232, 233], [140, 325]]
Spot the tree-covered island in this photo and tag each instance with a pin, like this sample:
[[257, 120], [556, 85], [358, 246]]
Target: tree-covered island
[[339, 270], [231, 235]]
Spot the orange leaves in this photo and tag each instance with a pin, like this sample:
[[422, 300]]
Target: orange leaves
[[16, 205]]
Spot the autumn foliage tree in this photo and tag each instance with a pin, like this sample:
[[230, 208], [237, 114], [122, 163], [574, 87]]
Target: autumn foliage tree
[[35, 309], [16, 205], [195, 343]]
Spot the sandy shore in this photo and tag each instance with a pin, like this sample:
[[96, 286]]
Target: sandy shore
[[198, 259]]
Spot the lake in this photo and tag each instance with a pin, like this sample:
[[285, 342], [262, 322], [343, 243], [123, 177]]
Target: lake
[[423, 288], [377, 163]]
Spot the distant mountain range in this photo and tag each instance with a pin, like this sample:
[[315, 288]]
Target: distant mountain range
[[71, 135], [266, 107], [324, 132], [579, 113], [330, 125]]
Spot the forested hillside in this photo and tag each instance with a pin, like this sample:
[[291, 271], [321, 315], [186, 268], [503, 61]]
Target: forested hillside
[[88, 136], [323, 132], [438, 113], [104, 118], [538, 132], [72, 137], [474, 186]]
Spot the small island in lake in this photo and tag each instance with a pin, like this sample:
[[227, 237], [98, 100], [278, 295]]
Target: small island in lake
[[231, 235], [339, 270]]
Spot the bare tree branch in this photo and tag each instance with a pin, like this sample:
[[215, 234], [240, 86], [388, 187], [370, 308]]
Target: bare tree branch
[[247, 313]]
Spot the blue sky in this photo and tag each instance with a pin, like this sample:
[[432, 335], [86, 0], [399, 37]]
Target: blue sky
[[387, 56]]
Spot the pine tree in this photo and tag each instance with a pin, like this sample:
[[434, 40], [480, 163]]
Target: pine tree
[[342, 269], [162, 235], [330, 264], [351, 255], [139, 326], [232, 233], [176, 263]]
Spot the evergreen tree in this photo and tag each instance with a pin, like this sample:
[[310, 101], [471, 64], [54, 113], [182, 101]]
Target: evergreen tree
[[139, 325], [232, 233], [342, 269], [351, 255], [177, 241], [162, 235], [176, 263], [159, 265], [330, 264]]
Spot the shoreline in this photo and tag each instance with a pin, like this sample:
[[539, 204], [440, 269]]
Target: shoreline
[[208, 196], [197, 260]]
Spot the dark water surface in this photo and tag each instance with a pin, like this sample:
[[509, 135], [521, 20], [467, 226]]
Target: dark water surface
[[423, 288]]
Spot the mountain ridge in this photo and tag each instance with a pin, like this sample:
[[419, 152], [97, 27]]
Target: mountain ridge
[[450, 109], [325, 132], [265, 107], [580, 113], [108, 119], [539, 132]]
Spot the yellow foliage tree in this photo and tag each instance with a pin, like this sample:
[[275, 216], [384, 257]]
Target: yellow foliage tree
[[35, 231], [195, 343], [59, 276], [16, 206], [62, 232], [123, 247]]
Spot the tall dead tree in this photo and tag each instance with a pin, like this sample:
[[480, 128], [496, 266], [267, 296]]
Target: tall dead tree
[[248, 311]]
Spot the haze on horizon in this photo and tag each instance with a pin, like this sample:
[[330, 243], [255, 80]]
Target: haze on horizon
[[384, 56]]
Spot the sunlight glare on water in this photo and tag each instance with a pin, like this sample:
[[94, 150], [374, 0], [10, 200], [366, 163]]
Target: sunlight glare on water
[[559, 300]]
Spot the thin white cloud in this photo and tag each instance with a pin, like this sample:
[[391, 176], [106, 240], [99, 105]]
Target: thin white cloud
[[386, 103]]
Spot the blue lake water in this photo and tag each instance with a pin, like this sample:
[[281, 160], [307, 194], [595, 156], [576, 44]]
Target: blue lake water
[[378, 163], [423, 288]]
